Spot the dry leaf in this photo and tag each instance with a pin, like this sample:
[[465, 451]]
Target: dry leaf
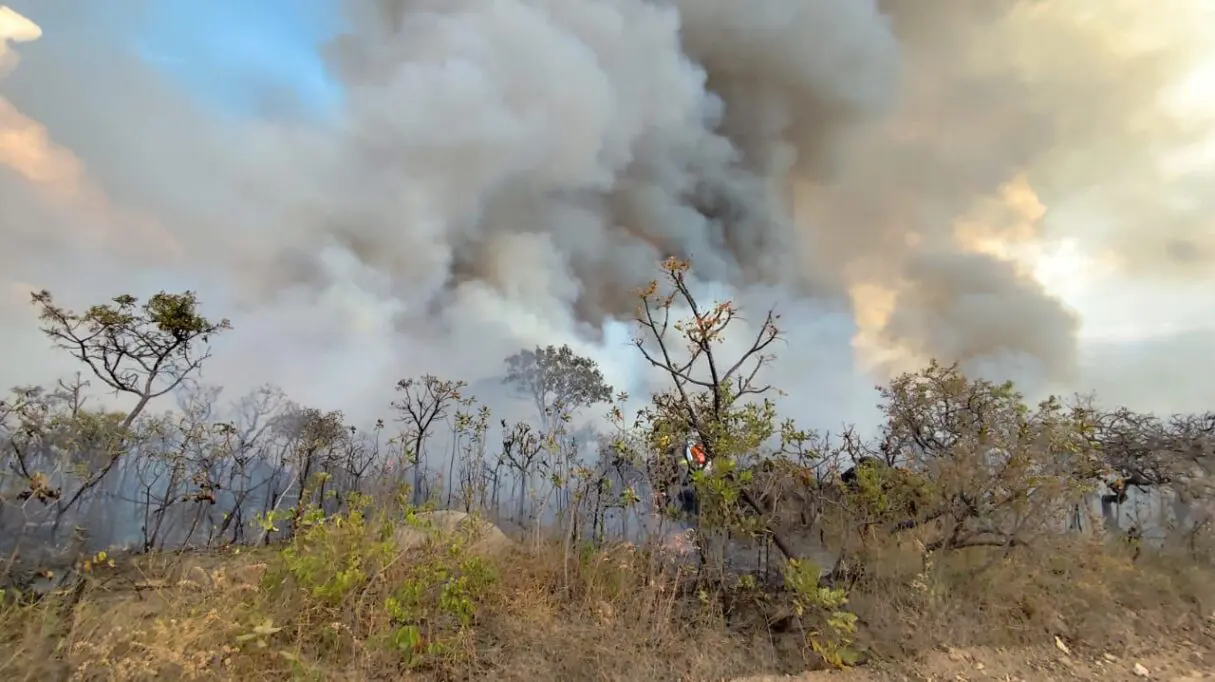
[[1061, 646]]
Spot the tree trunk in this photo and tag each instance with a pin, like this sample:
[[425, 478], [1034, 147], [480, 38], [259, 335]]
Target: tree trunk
[[522, 512], [418, 500]]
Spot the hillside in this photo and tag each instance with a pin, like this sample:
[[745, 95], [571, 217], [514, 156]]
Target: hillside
[[699, 536], [487, 607]]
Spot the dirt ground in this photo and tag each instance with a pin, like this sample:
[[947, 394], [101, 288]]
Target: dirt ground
[[1179, 662]]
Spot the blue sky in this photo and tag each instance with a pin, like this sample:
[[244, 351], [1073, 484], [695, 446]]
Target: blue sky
[[230, 53], [240, 56]]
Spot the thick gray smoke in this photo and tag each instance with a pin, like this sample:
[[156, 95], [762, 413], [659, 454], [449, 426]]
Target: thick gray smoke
[[501, 174]]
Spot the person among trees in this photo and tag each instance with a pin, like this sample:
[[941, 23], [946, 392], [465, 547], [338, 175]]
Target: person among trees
[[694, 459]]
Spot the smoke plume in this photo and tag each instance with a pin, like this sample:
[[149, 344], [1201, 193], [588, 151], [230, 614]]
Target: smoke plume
[[892, 175]]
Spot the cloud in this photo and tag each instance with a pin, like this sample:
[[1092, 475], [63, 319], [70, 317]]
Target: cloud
[[501, 174]]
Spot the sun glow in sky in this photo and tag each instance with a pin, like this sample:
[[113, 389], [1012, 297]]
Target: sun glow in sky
[[1091, 286]]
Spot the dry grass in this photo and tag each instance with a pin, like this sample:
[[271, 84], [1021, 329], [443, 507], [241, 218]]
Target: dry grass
[[1091, 595], [611, 614], [540, 613]]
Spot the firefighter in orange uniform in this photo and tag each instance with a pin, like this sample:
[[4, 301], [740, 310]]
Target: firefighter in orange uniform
[[694, 459]]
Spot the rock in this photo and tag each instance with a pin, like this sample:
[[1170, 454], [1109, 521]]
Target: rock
[[449, 521], [198, 577], [1141, 671], [407, 537], [484, 538]]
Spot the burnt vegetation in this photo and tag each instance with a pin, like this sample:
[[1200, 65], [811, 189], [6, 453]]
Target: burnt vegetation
[[969, 516]]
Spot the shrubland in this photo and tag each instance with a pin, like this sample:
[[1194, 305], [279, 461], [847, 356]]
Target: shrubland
[[270, 540]]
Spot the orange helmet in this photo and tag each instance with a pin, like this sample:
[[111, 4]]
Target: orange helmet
[[694, 453]]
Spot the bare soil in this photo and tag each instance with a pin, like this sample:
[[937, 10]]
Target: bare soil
[[1178, 662]]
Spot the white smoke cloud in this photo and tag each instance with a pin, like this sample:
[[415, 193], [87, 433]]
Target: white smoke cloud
[[501, 174]]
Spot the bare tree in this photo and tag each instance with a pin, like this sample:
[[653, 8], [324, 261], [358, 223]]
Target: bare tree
[[249, 438], [318, 437], [521, 448], [360, 452], [174, 466], [1148, 452], [422, 402]]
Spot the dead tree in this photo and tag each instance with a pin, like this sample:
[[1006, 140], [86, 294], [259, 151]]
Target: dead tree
[[423, 402], [521, 448]]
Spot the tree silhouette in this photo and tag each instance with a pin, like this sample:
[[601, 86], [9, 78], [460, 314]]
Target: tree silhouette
[[558, 381], [422, 402], [143, 350], [521, 448]]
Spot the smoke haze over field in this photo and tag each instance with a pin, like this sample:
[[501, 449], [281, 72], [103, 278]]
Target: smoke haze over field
[[976, 180]]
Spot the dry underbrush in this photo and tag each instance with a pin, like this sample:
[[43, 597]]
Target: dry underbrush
[[358, 598], [361, 599], [1090, 594]]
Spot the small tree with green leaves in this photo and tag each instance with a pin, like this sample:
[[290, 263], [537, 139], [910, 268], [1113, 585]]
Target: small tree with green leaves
[[143, 350], [1002, 472], [707, 396], [723, 405], [469, 429]]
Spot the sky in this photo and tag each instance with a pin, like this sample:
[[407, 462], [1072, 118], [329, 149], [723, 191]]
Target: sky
[[282, 140], [227, 52]]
